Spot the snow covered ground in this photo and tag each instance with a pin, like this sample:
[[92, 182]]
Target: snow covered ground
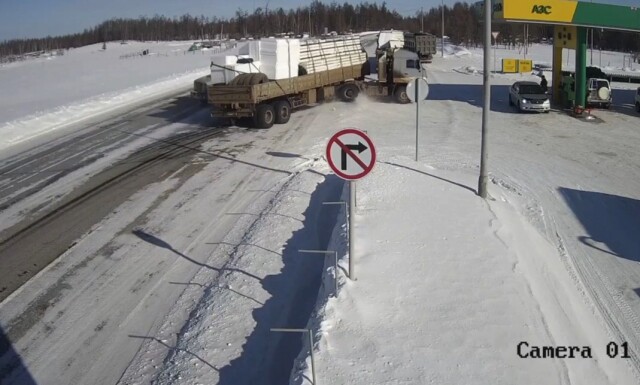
[[182, 282], [44, 94]]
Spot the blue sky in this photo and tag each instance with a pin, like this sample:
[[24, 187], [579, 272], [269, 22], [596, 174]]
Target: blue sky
[[39, 18]]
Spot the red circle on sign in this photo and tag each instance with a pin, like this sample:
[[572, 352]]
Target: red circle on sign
[[334, 141]]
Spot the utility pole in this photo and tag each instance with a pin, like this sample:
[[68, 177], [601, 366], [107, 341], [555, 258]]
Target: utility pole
[[482, 180], [421, 20], [591, 46], [600, 45], [442, 28], [310, 34]]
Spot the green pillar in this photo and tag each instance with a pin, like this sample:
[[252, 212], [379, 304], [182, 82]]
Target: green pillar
[[557, 75], [581, 67]]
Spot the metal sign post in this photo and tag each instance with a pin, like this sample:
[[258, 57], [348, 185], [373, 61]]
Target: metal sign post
[[417, 91], [417, 116], [352, 204], [351, 159], [495, 45], [349, 214], [308, 331]]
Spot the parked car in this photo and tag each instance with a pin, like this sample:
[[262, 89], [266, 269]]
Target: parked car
[[638, 99], [529, 96], [599, 93]]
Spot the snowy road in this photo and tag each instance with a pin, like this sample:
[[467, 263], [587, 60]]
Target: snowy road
[[52, 194], [131, 211]]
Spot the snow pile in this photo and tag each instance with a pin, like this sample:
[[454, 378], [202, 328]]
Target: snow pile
[[455, 50]]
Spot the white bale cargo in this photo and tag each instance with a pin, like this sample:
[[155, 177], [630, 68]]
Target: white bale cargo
[[395, 39], [251, 49], [322, 55], [280, 58], [221, 69]]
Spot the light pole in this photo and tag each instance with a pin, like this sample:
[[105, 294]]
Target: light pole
[[442, 28], [591, 46], [600, 45], [482, 180]]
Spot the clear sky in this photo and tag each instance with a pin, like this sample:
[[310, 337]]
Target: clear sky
[[39, 18]]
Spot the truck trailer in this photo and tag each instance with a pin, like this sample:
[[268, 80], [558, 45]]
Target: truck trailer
[[266, 102]]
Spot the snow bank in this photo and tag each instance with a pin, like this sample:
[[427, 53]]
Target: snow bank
[[40, 95], [451, 294]]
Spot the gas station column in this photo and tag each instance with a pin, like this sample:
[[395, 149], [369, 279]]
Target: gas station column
[[581, 66]]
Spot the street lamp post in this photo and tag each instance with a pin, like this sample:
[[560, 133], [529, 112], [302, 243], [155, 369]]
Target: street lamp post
[[442, 28]]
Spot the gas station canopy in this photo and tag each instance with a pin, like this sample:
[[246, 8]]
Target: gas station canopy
[[575, 13]]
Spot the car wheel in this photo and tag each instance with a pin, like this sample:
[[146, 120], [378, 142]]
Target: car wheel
[[637, 106], [519, 106], [510, 101]]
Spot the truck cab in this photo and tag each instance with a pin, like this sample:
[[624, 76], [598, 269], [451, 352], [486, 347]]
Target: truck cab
[[399, 64], [396, 69]]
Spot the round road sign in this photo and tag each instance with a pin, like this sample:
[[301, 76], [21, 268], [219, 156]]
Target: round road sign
[[351, 154], [423, 89]]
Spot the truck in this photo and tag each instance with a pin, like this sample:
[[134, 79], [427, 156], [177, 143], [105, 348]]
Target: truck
[[263, 102], [424, 44]]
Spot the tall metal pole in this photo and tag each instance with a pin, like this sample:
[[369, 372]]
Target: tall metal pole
[[442, 28], [482, 180], [600, 45], [352, 204], [591, 46], [421, 20], [417, 83]]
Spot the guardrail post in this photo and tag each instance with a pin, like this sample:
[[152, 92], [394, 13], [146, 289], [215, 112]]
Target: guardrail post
[[313, 365], [335, 266]]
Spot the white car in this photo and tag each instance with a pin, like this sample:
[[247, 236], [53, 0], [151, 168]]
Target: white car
[[529, 96]]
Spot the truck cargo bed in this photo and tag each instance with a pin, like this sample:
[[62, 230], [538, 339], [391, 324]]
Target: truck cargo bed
[[257, 93]]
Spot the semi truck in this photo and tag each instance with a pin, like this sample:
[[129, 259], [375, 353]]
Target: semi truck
[[424, 44], [263, 102]]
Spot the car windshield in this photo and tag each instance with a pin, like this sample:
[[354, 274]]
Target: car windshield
[[530, 89]]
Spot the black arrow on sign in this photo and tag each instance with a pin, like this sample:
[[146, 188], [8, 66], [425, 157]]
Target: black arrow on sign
[[343, 160]]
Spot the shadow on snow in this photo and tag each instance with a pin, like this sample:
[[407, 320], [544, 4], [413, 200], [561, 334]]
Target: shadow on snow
[[609, 220], [12, 369], [268, 357]]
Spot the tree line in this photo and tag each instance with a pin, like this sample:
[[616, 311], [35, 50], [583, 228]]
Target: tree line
[[462, 25]]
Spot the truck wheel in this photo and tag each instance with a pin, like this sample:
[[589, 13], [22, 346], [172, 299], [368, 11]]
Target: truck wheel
[[265, 116], [283, 111], [348, 92], [400, 94]]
